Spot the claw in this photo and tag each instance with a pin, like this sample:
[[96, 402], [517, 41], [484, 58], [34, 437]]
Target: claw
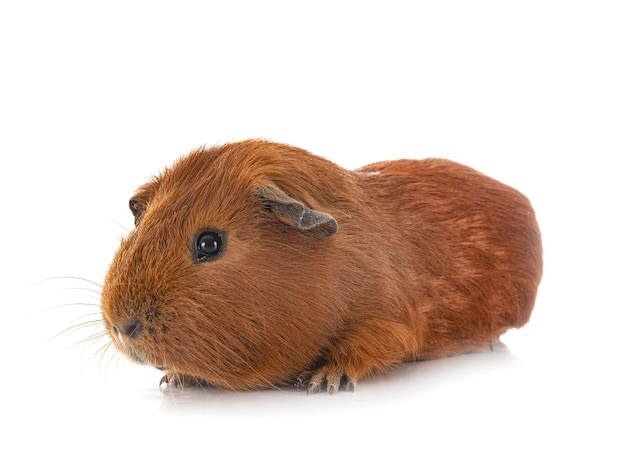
[[313, 387], [316, 381], [332, 382], [298, 384], [350, 383], [170, 382]]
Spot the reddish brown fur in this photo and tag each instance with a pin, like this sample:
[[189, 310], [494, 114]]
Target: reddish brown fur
[[431, 259]]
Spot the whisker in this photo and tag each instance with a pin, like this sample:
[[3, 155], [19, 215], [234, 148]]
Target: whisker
[[98, 292], [73, 304], [77, 278], [89, 340], [127, 230], [76, 327], [102, 351], [88, 343], [114, 356]]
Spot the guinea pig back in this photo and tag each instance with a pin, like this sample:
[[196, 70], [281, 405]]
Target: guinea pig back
[[257, 264]]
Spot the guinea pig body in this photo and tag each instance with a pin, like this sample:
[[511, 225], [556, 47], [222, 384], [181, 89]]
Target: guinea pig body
[[256, 264]]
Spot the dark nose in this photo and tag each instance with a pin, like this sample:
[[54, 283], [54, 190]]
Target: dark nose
[[132, 328]]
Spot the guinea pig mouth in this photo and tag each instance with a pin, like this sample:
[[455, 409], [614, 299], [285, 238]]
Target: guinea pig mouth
[[131, 354], [135, 357]]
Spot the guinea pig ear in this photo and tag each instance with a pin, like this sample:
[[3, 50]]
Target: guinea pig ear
[[138, 204], [137, 207], [317, 224]]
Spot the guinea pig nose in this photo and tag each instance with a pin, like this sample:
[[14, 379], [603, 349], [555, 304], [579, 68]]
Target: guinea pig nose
[[132, 328]]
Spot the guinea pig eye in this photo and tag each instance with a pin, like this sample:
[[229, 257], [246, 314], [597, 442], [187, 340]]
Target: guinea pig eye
[[209, 245]]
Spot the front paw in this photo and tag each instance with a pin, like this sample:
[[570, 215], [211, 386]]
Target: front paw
[[331, 379], [173, 380]]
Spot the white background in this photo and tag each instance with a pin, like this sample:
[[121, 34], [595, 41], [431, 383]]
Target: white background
[[95, 98]]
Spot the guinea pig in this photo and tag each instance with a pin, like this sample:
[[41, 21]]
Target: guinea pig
[[257, 264]]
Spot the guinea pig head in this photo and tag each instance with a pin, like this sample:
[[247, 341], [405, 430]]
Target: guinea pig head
[[223, 277]]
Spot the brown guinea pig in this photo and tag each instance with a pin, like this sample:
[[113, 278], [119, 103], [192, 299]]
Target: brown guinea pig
[[257, 264]]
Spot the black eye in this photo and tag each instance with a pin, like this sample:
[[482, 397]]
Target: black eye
[[209, 245]]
